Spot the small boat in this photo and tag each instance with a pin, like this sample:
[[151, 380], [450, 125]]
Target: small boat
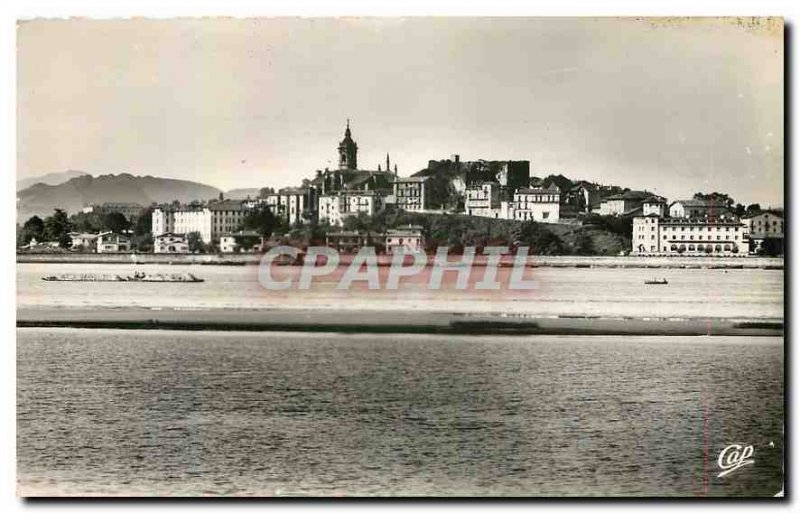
[[662, 281], [136, 276]]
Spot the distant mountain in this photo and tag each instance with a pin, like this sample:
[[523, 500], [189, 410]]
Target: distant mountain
[[72, 195], [49, 179], [240, 194]]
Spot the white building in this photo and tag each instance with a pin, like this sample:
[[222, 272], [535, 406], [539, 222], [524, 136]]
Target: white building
[[335, 208], [171, 243], [210, 221], [623, 204], [109, 242], [410, 193], [653, 235], [482, 200], [538, 204], [294, 205], [654, 205], [233, 242], [84, 241], [766, 225], [697, 208], [407, 237]]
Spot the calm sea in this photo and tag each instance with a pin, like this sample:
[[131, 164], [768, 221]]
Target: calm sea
[[208, 413], [610, 292]]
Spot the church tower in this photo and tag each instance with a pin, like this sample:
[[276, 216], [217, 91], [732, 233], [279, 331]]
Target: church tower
[[348, 151]]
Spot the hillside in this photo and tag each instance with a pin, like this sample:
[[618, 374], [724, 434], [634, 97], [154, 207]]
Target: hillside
[[49, 179], [241, 194], [72, 195]]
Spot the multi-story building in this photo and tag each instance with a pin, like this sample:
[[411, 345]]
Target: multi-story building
[[723, 236], [336, 207], [482, 199], [411, 194], [171, 243], [537, 204], [294, 205], [765, 226], [131, 211], [210, 220], [696, 208], [409, 238]]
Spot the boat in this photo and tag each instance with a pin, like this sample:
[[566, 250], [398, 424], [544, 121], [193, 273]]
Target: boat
[[135, 277], [662, 281]]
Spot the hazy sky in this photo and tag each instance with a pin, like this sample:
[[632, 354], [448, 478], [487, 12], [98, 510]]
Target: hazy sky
[[671, 106]]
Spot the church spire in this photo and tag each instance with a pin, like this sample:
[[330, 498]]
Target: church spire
[[388, 167], [348, 150]]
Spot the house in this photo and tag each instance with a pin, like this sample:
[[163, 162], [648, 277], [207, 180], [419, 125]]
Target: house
[[623, 204], [83, 241], [655, 205], [766, 228], [537, 204], [409, 238], [109, 242], [582, 197], [347, 241], [171, 243], [697, 208], [654, 235], [240, 242]]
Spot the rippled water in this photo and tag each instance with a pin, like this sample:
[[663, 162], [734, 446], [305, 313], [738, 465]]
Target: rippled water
[[129, 412], [739, 293]]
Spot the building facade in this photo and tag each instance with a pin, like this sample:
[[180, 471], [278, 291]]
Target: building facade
[[131, 211], [210, 221], [623, 204], [109, 242], [171, 243], [335, 208], [411, 194], [293, 205], [482, 199], [240, 242], [653, 235], [537, 204], [695, 208], [407, 238]]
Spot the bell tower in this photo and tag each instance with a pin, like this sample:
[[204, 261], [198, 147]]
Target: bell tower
[[348, 151]]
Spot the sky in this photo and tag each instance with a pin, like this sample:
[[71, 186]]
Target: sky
[[672, 106]]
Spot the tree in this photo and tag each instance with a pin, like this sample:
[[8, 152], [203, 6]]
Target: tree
[[32, 229], [57, 228], [195, 242], [86, 223], [262, 221], [143, 242], [115, 222], [144, 223], [584, 245], [753, 208], [718, 197]]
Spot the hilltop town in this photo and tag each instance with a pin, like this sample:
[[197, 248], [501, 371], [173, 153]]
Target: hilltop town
[[451, 202]]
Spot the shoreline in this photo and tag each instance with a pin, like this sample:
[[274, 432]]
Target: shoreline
[[576, 262], [400, 322]]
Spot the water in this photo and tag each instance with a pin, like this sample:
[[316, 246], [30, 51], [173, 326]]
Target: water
[[610, 292], [178, 413]]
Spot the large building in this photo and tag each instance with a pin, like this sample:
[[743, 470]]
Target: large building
[[411, 193], [210, 220], [654, 235], [482, 199], [131, 211], [336, 207], [293, 204], [538, 204]]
